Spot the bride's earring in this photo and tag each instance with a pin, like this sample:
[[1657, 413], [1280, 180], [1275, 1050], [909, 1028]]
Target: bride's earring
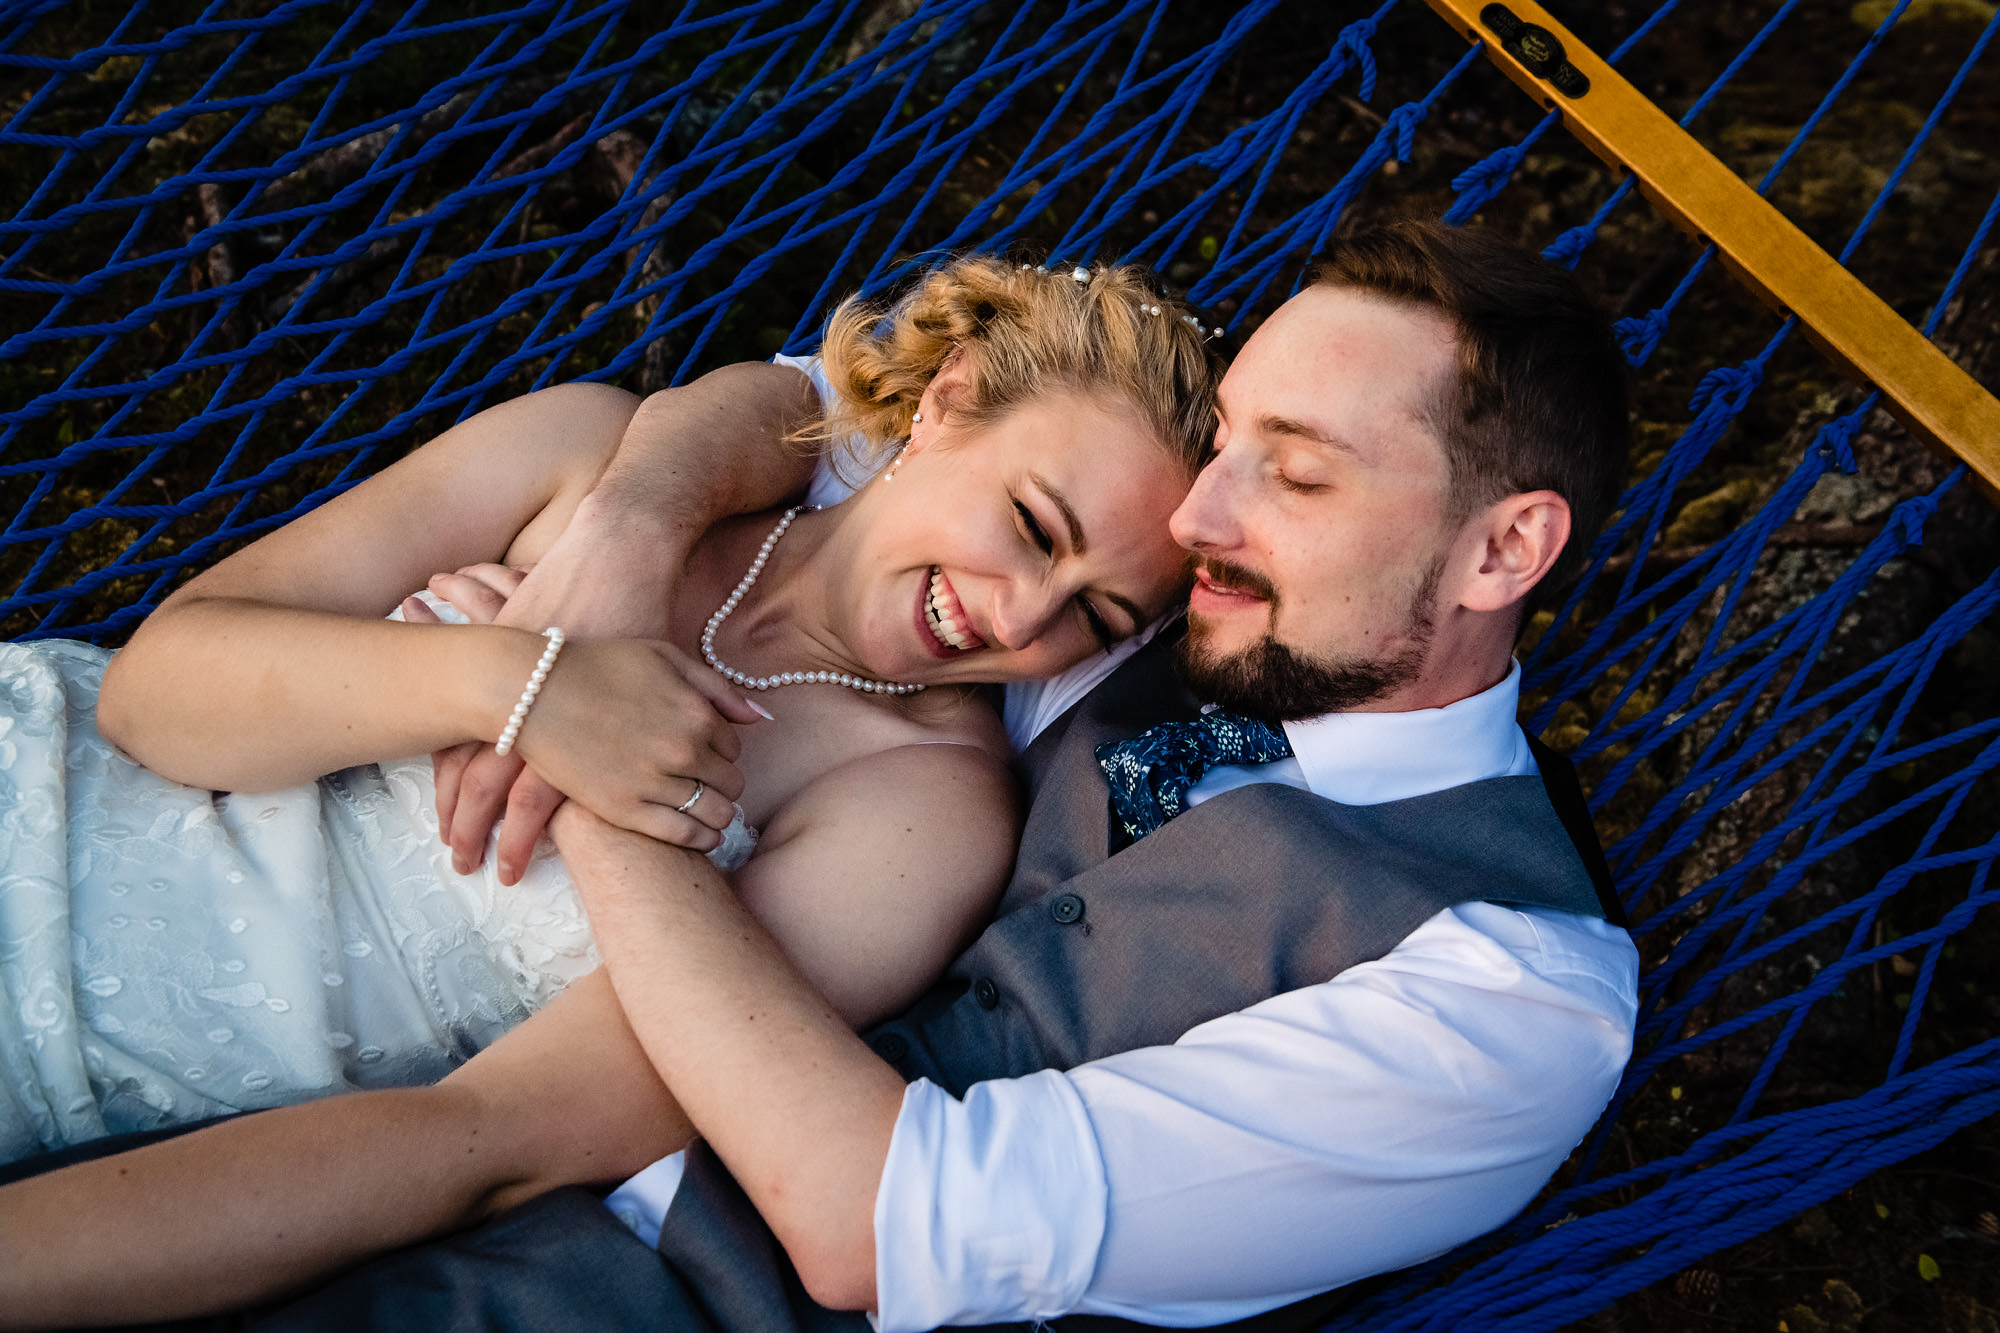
[[916, 419]]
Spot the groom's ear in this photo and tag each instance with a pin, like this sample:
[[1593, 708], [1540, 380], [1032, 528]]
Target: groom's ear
[[1517, 540]]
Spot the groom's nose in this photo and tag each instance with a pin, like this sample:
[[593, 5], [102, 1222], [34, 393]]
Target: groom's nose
[[1209, 518]]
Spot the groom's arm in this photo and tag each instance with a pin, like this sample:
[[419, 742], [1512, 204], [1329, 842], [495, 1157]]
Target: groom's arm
[[796, 1105], [690, 456], [1327, 1134]]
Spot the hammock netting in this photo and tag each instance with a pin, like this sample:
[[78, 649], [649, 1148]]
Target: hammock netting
[[251, 251]]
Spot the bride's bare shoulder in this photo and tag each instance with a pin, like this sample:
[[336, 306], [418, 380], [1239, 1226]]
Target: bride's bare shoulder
[[964, 794], [960, 716]]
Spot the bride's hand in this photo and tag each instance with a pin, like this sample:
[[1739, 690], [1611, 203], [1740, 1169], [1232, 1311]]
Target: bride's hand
[[605, 575], [474, 783], [480, 593], [628, 728]]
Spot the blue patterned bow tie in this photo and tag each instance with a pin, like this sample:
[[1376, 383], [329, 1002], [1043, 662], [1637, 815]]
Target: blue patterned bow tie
[[1150, 774]]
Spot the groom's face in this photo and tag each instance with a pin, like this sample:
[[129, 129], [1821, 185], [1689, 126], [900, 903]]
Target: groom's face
[[1320, 527]]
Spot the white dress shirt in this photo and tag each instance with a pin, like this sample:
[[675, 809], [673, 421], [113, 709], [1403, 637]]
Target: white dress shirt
[[1326, 1134]]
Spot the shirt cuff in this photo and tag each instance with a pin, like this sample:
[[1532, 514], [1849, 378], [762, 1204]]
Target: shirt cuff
[[991, 1209], [641, 1203]]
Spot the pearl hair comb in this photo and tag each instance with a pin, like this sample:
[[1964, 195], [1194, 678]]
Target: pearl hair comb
[[1081, 276]]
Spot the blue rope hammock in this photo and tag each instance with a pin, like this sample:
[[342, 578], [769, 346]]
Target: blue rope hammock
[[248, 256]]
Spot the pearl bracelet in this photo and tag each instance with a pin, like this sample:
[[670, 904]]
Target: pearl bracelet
[[527, 700]]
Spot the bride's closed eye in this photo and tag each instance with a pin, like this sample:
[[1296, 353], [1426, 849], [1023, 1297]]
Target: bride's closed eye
[[1036, 532], [1093, 619]]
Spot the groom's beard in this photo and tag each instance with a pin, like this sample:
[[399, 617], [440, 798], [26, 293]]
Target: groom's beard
[[1272, 680]]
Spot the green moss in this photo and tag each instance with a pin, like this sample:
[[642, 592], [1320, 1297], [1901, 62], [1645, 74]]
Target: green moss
[[1709, 517], [1870, 13]]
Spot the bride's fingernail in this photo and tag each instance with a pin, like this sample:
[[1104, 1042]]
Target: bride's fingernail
[[760, 710]]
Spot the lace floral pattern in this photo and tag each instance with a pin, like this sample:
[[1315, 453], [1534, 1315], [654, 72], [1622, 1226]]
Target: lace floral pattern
[[168, 953]]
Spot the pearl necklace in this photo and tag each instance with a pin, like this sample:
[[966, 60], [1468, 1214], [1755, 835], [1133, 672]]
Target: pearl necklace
[[729, 604]]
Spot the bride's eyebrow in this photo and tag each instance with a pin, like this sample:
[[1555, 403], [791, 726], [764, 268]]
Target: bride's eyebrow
[[1078, 545]]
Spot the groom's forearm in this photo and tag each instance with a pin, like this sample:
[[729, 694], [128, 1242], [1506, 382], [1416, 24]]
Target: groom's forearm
[[716, 447], [793, 1102], [689, 457], [702, 452]]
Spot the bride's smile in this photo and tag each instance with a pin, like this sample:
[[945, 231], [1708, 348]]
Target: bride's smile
[[945, 619]]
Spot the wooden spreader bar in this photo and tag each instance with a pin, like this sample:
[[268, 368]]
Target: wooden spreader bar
[[1856, 329]]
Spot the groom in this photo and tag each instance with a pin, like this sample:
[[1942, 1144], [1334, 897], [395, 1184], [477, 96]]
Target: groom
[[1323, 989]]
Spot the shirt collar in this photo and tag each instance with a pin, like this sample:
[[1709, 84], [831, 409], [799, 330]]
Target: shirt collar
[[1368, 758]]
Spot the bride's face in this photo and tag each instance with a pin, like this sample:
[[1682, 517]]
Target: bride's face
[[1017, 549]]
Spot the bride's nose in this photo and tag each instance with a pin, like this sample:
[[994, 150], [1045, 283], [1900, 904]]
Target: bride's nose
[[1022, 612]]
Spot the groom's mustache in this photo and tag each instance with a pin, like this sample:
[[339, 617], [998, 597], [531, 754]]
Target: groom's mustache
[[1239, 577]]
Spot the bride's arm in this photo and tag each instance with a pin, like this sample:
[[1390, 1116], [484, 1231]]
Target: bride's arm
[[869, 880], [273, 666]]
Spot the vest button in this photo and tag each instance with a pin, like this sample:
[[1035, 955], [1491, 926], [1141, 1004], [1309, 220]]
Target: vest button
[[988, 994], [891, 1047], [1067, 909]]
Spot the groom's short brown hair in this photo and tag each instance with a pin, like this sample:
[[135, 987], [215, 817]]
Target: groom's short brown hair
[[1539, 402]]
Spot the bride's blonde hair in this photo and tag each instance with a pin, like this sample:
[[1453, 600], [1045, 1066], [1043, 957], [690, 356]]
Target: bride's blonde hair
[[1025, 331]]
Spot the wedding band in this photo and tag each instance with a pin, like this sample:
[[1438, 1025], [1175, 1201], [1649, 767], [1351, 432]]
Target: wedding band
[[688, 804]]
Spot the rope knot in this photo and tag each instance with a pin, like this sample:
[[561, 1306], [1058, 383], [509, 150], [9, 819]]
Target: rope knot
[[1353, 43], [1907, 522], [1836, 441], [1404, 121], [1492, 170], [1641, 334], [1567, 248], [1482, 180], [1727, 388]]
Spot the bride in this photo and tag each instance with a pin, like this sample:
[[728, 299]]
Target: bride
[[190, 924]]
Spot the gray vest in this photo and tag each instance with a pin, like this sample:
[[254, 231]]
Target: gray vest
[[1258, 891]]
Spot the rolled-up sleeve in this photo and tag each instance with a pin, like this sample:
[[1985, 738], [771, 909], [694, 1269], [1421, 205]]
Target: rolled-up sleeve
[[1324, 1135], [996, 1202]]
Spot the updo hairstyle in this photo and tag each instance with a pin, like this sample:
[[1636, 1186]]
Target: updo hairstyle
[[1025, 332]]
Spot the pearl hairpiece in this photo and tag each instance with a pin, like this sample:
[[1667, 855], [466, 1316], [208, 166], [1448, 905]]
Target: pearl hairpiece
[[1082, 276], [1189, 320]]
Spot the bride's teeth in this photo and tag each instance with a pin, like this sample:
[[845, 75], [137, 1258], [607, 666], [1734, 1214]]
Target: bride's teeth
[[946, 627]]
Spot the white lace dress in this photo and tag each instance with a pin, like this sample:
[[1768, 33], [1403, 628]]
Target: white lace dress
[[169, 953]]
